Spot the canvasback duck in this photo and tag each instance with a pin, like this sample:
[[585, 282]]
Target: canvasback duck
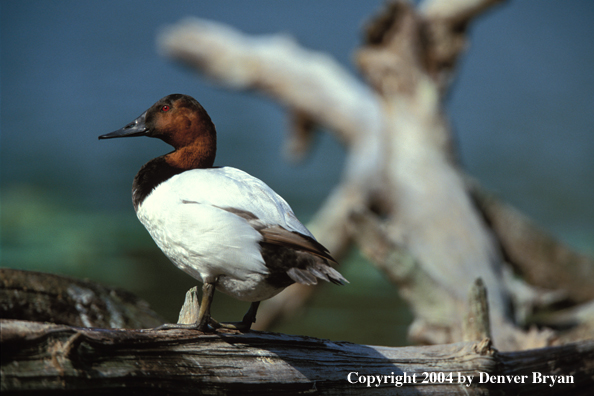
[[220, 225]]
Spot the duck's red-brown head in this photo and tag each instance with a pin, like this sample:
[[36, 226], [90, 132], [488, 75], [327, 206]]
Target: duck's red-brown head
[[182, 122]]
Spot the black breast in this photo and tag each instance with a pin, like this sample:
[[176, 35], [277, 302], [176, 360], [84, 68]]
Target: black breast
[[153, 173]]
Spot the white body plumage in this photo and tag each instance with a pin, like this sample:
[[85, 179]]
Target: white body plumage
[[191, 218]]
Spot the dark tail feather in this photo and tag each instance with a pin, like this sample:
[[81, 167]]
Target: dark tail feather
[[335, 276], [302, 276], [309, 276]]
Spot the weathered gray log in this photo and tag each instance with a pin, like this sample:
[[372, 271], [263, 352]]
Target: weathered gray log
[[40, 296], [38, 358]]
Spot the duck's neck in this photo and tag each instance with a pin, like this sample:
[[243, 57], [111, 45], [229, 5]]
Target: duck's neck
[[199, 154]]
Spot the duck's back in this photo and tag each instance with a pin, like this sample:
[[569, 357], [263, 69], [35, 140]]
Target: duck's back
[[231, 188]]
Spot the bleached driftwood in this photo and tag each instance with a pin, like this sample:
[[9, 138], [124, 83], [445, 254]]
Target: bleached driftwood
[[44, 357], [402, 198]]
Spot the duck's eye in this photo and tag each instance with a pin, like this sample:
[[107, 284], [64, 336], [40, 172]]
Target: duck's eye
[[165, 108]]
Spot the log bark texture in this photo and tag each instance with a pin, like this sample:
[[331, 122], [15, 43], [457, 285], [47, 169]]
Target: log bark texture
[[44, 297], [44, 358]]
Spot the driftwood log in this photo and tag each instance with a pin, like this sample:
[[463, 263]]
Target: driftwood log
[[65, 358], [46, 357], [403, 199], [43, 297]]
